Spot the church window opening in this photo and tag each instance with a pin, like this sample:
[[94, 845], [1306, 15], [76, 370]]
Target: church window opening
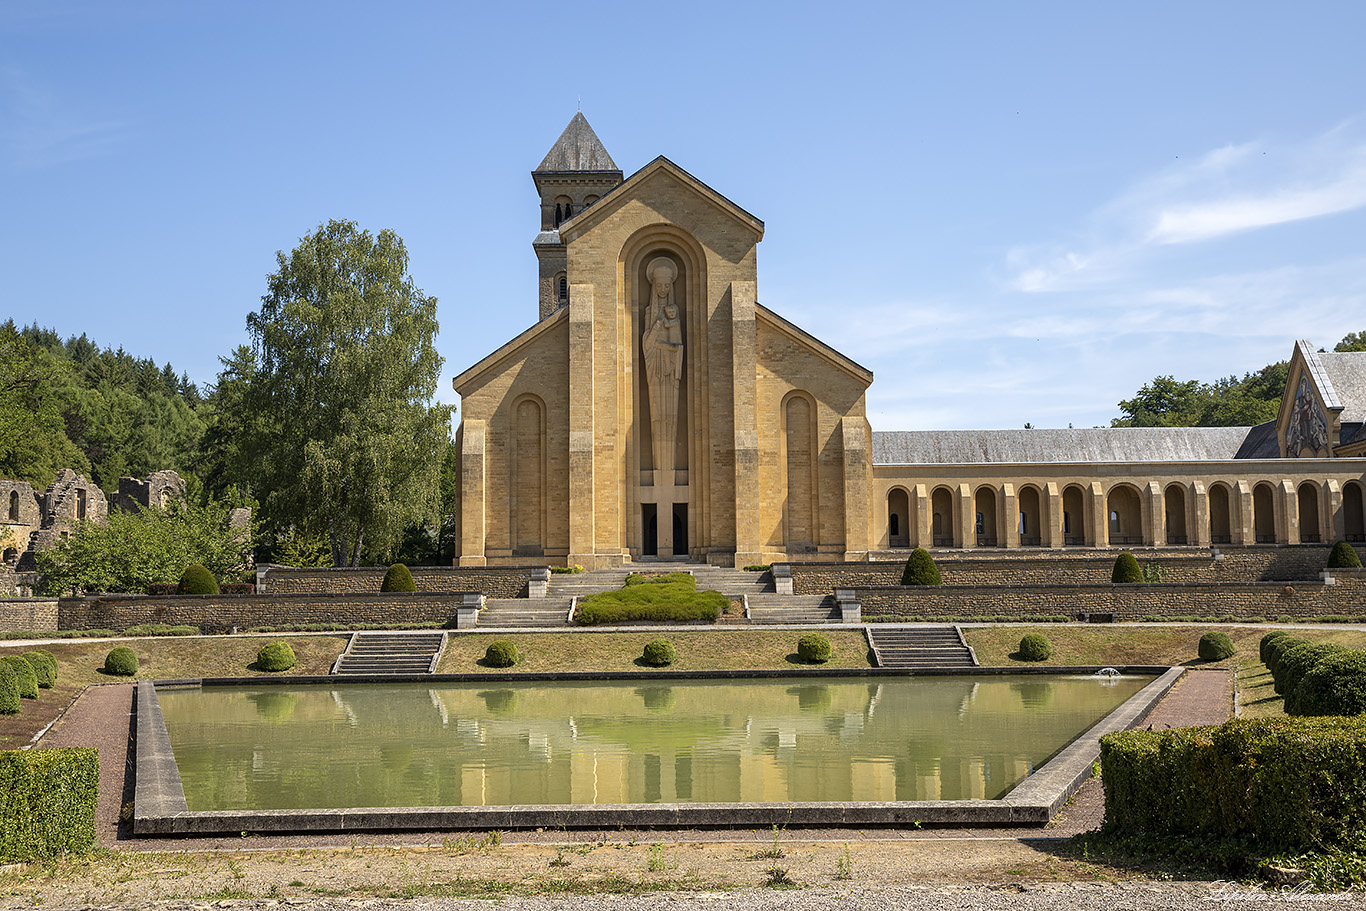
[[80, 504], [14, 505], [1263, 514], [562, 289], [1114, 522]]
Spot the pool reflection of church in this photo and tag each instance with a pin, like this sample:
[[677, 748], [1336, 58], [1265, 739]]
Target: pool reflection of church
[[657, 410]]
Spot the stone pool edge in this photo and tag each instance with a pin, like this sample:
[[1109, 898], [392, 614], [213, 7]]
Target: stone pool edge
[[160, 807]]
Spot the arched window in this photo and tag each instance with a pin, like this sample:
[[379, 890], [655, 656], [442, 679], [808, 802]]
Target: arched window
[[14, 505], [1114, 522]]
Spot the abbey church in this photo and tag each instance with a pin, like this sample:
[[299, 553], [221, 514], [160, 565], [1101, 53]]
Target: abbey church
[[657, 410]]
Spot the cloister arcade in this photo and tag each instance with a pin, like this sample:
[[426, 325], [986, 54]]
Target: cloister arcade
[[1120, 512]]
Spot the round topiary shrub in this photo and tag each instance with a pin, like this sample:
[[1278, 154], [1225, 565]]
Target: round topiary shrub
[[501, 654], [9, 690], [1334, 686], [398, 579], [196, 580], [1034, 647], [1264, 647], [23, 671], [1344, 556], [276, 656], [1126, 569], [1297, 662], [813, 648], [44, 666], [920, 569], [1277, 647], [121, 662], [1215, 646], [659, 653]]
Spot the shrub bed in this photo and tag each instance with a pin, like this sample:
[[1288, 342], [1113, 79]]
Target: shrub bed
[[1296, 662], [1264, 647], [670, 598], [1295, 783], [1334, 686], [47, 803]]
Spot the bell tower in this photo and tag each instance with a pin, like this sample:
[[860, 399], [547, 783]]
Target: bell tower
[[575, 173]]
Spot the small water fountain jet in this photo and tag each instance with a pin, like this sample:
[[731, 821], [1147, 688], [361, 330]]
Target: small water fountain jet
[[1108, 672]]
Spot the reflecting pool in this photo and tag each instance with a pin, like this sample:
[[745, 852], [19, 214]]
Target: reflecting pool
[[615, 742]]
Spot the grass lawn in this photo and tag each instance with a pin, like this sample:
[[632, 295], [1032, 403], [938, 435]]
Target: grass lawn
[[80, 663], [700, 650]]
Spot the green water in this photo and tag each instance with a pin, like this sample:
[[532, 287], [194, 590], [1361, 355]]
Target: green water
[[612, 742]]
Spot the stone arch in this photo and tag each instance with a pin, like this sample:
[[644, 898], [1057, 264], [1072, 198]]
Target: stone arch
[[527, 475], [941, 517], [564, 209], [589, 200], [1220, 514], [898, 518], [561, 288], [1174, 515], [1073, 521], [14, 506], [1353, 512], [1307, 501], [1263, 513], [984, 519], [1030, 519], [11, 555], [1123, 516], [800, 457]]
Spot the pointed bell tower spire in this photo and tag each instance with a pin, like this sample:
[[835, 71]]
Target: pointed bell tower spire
[[574, 174]]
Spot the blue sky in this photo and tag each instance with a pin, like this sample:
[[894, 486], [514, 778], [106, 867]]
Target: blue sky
[[1010, 212]]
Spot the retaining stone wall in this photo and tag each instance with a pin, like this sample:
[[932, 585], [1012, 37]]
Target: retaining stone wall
[[1301, 563], [493, 581], [221, 613], [38, 614], [1267, 600]]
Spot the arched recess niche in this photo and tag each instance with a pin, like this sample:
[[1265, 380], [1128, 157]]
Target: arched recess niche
[[527, 494], [692, 466], [801, 446]]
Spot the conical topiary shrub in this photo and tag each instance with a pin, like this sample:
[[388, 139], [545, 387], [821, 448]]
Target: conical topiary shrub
[[920, 569], [398, 579], [196, 580], [1126, 569], [1344, 556]]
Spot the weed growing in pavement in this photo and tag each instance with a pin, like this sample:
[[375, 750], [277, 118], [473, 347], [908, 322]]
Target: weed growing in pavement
[[844, 867], [774, 851], [656, 861], [778, 878]]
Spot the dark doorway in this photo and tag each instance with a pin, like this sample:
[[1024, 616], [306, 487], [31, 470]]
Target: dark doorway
[[680, 529], [649, 521]]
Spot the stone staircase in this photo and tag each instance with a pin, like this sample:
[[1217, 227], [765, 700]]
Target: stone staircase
[[502, 613], [920, 647], [390, 653], [769, 608]]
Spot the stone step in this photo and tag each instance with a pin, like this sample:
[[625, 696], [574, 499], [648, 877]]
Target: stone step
[[920, 647], [390, 653]]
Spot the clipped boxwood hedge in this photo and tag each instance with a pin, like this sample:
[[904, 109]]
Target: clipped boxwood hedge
[[121, 661], [501, 653], [196, 580], [1334, 686], [398, 578], [672, 600], [276, 656], [1264, 647], [659, 653], [1288, 783], [9, 690], [47, 803], [813, 648], [1215, 646], [1126, 569], [24, 674], [1278, 647], [1035, 647], [1294, 664], [44, 665], [1344, 556], [920, 569]]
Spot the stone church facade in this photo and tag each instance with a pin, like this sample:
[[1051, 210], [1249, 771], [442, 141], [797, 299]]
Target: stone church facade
[[657, 410]]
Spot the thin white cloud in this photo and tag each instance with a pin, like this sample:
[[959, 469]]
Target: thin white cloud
[[37, 129], [1229, 190]]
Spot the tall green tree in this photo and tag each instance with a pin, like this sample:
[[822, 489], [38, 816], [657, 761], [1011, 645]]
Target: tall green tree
[[1352, 341], [1228, 402], [34, 445], [336, 432]]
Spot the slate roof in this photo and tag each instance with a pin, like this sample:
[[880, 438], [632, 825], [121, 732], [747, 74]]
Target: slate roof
[[1261, 443], [1347, 373], [578, 149], [1108, 444]]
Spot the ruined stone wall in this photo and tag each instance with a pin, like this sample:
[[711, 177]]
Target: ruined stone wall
[[1265, 600], [222, 613], [1241, 564], [493, 582], [39, 614]]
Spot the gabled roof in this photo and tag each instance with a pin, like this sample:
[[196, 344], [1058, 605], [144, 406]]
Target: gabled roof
[[509, 349], [1100, 444], [578, 149], [593, 214], [847, 364], [1345, 373]]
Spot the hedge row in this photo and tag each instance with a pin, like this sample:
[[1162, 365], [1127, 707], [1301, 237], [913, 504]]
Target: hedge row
[[675, 600], [47, 803], [1315, 678], [1292, 783]]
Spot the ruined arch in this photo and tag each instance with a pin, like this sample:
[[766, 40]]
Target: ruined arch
[[14, 506]]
